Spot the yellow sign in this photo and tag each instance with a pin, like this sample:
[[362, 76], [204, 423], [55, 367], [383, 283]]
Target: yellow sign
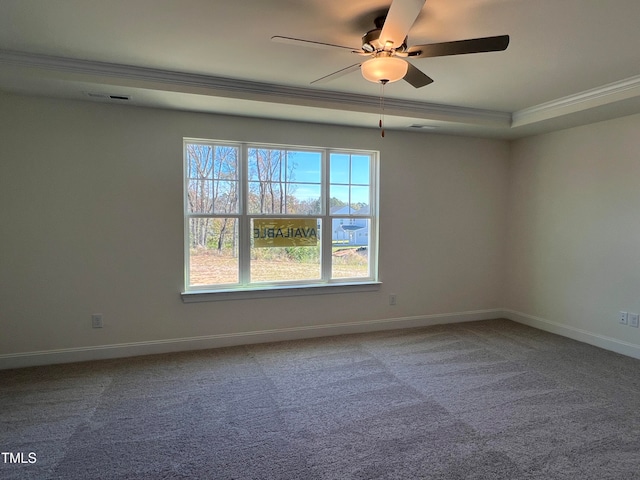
[[285, 232]]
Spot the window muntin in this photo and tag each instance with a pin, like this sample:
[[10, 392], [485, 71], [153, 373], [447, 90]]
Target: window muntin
[[229, 186]]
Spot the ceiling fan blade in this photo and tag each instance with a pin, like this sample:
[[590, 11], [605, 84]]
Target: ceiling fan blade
[[416, 77], [310, 43], [402, 15], [338, 74], [460, 47]]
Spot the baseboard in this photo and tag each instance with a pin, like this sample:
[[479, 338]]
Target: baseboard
[[608, 343], [102, 352]]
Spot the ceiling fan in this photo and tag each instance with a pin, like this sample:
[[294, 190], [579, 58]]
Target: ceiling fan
[[386, 45]]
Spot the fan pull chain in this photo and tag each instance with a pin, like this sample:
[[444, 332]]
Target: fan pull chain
[[381, 122]]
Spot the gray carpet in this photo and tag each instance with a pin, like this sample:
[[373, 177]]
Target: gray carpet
[[481, 400]]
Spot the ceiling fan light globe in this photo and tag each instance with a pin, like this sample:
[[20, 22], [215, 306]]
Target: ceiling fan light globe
[[384, 69]]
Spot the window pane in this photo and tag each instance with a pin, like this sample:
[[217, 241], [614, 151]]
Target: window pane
[[266, 197], [304, 167], [360, 200], [350, 248], [267, 165], [213, 251], [339, 199], [303, 199], [267, 172], [339, 168], [217, 196], [285, 263], [199, 160], [360, 169], [200, 196], [225, 164], [225, 196]]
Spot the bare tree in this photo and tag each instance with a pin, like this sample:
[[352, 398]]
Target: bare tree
[[272, 170]]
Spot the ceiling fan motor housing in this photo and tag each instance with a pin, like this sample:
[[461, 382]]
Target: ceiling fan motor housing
[[371, 42]]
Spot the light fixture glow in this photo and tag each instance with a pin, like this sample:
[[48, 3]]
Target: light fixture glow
[[384, 69]]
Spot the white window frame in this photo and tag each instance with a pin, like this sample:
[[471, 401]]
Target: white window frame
[[324, 285]]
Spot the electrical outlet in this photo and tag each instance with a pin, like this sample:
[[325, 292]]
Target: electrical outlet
[[392, 299], [96, 320], [634, 319], [623, 318]]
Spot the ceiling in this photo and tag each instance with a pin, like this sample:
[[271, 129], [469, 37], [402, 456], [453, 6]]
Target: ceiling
[[569, 62]]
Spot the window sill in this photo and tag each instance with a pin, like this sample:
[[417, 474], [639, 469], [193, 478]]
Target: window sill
[[197, 296]]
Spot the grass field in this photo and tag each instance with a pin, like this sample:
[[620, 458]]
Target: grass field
[[209, 268]]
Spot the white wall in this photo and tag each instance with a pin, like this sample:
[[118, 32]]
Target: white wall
[[574, 232], [91, 219]]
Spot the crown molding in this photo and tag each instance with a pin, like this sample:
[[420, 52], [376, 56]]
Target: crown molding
[[588, 99], [535, 117], [181, 82]]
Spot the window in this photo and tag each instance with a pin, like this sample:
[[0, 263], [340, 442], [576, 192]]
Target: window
[[265, 216]]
